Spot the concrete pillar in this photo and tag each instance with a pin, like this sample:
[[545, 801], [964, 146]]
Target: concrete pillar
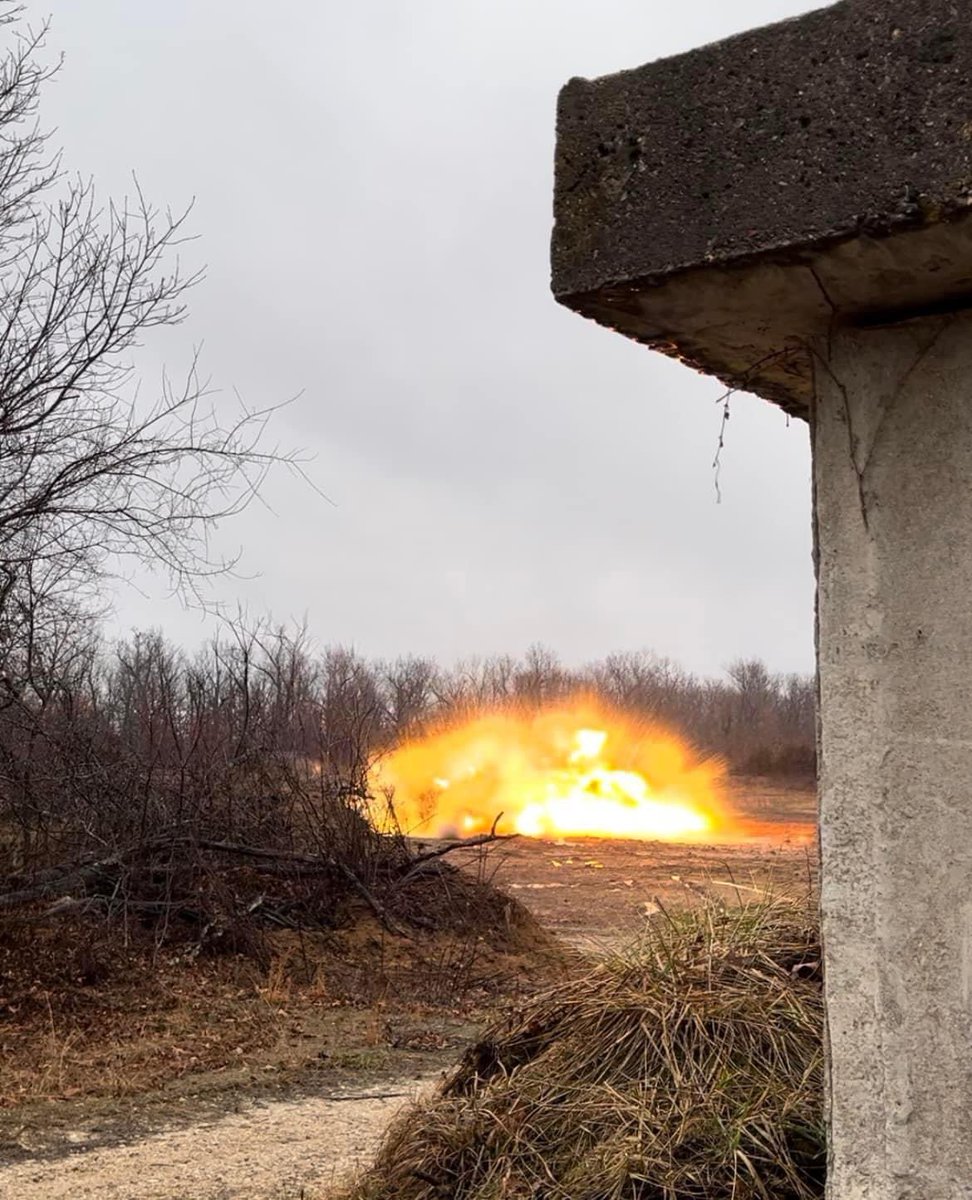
[[790, 211], [892, 449]]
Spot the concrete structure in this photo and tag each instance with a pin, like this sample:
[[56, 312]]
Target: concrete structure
[[791, 211]]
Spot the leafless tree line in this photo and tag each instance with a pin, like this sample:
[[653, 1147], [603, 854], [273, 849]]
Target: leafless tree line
[[128, 772], [204, 796], [103, 746], [759, 721]]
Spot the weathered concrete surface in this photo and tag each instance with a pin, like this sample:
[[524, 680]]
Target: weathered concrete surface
[[696, 193], [892, 447]]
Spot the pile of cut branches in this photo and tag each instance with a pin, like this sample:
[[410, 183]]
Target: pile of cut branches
[[214, 893]]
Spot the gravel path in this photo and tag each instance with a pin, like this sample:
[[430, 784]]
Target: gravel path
[[285, 1150]]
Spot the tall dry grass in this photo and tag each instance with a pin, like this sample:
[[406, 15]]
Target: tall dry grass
[[689, 1067]]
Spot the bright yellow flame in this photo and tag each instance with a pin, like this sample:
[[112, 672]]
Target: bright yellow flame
[[577, 770]]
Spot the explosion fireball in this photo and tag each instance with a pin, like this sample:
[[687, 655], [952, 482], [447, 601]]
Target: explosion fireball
[[576, 770]]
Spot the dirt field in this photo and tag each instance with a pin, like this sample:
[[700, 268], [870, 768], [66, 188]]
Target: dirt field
[[244, 1141], [596, 893]]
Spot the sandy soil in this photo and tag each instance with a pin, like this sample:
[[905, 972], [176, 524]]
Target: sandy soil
[[593, 893], [279, 1151]]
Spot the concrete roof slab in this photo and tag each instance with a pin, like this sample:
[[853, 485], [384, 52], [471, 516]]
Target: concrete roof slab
[[728, 204]]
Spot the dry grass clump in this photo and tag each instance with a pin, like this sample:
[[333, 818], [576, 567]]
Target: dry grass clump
[[688, 1068]]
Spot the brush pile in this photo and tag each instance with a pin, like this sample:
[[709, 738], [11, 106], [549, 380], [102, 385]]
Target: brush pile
[[214, 895], [688, 1068]]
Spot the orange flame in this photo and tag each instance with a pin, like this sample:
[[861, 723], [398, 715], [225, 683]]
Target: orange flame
[[577, 770]]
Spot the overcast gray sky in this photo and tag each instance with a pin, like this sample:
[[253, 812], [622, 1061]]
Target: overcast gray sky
[[373, 186]]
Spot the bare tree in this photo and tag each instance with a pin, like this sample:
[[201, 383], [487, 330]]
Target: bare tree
[[409, 684], [352, 712], [541, 677], [90, 472]]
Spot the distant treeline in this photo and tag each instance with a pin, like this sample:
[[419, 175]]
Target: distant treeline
[[258, 692], [200, 794]]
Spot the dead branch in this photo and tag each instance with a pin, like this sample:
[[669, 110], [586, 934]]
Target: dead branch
[[482, 839]]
